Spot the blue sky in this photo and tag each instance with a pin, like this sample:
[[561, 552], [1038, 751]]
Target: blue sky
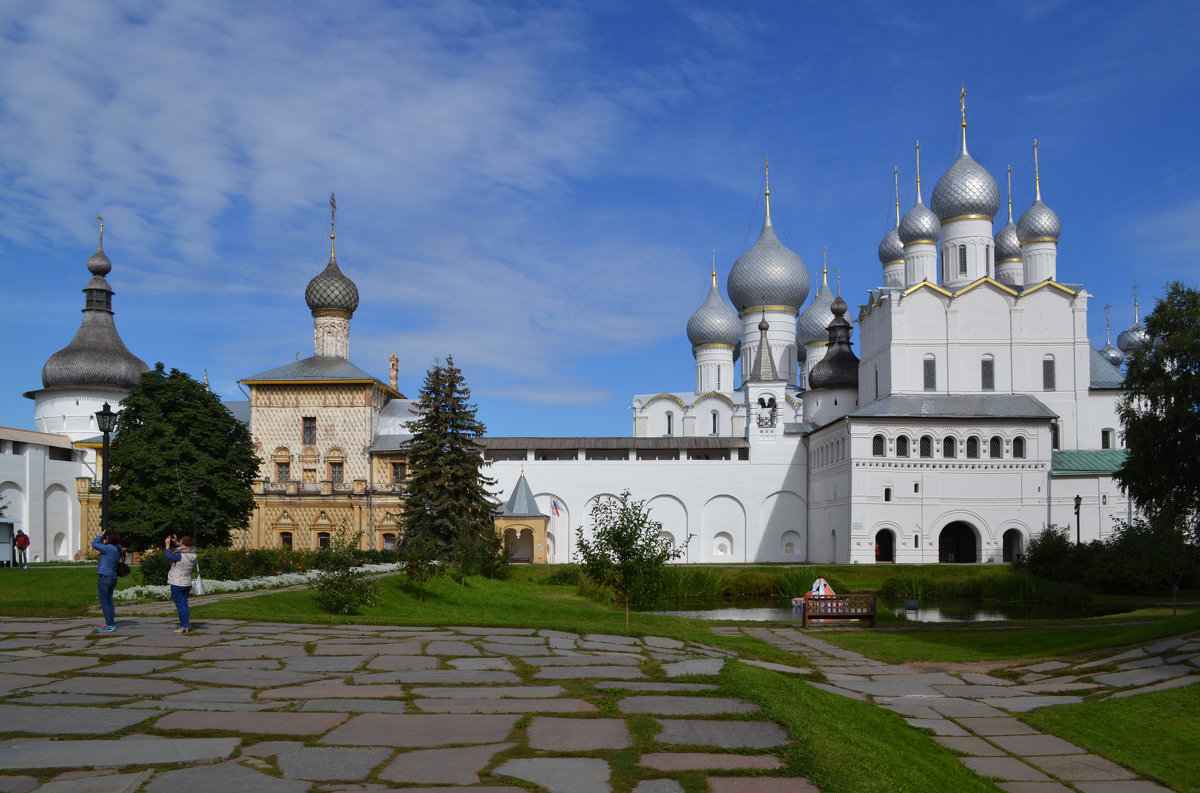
[[537, 189]]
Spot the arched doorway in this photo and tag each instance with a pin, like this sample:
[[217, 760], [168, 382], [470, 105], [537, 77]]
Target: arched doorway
[[885, 546], [956, 543], [520, 544], [1014, 545]]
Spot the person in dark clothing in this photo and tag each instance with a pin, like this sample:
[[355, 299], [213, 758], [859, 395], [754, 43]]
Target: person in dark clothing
[[109, 547]]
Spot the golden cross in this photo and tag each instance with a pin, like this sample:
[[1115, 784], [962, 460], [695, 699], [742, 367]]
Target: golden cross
[[962, 103]]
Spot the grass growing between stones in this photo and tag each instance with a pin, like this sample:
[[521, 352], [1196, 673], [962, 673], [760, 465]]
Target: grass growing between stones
[[846, 746], [1155, 734], [995, 644]]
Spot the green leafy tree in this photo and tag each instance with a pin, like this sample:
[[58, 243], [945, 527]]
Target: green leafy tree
[[172, 430], [341, 586], [419, 556], [1160, 415], [446, 500], [627, 552]]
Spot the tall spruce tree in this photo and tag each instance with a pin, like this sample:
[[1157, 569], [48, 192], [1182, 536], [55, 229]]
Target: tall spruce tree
[[446, 499], [172, 430]]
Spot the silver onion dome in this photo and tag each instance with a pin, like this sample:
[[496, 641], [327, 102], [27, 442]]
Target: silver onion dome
[[714, 322], [919, 225], [768, 274], [966, 189], [96, 357], [839, 367], [891, 249], [331, 290], [1112, 354], [1039, 222], [1008, 247], [1133, 337], [816, 318]]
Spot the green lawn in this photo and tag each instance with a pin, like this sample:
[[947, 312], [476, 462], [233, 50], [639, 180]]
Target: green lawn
[[1156, 734], [52, 591]]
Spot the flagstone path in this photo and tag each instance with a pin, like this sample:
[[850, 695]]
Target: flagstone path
[[969, 712], [320, 708], [307, 708]]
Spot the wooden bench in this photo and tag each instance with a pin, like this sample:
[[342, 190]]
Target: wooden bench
[[838, 607]]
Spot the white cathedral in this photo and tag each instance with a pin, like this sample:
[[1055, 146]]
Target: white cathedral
[[978, 414]]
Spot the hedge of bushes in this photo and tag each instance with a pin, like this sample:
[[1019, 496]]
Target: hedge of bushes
[[234, 564]]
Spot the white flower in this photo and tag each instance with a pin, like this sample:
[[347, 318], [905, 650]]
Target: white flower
[[211, 587]]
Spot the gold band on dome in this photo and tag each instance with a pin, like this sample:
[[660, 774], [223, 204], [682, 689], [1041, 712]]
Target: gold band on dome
[[920, 242], [893, 261], [759, 309], [713, 346], [1002, 261], [1040, 239], [967, 217]]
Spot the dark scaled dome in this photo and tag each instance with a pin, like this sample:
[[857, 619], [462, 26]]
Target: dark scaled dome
[[331, 290], [714, 322], [1133, 337], [839, 367], [919, 225], [1039, 222], [1112, 354], [815, 319], [891, 249], [768, 274], [966, 189], [1008, 247]]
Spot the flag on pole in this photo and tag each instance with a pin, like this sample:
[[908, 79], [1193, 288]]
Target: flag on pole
[[554, 504]]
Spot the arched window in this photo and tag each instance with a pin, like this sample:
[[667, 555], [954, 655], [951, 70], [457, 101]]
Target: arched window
[[902, 446], [987, 373], [877, 445], [930, 373], [996, 448], [962, 259], [926, 446], [670, 423], [973, 448], [716, 423], [949, 448], [1019, 448], [1048, 373]]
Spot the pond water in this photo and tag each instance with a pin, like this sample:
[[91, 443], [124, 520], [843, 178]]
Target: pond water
[[927, 611]]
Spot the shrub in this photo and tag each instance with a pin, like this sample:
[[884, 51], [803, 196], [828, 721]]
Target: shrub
[[565, 575], [340, 587], [155, 568]]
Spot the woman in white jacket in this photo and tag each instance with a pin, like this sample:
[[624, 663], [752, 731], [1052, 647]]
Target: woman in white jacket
[[180, 577]]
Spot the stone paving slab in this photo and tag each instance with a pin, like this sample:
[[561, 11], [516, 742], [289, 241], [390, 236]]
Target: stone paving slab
[[585, 660], [516, 650], [130, 750], [46, 665], [386, 648], [226, 652], [560, 774], [653, 685], [962, 708], [1025, 704], [705, 761], [1055, 686], [453, 766], [970, 745], [149, 652], [139, 667], [567, 705], [1048, 666], [773, 667], [241, 707], [841, 692], [394, 663], [706, 666], [443, 676], [256, 678], [226, 776], [980, 679], [978, 692], [496, 692], [585, 672], [999, 725], [722, 734], [420, 730], [1033, 787], [354, 706], [658, 786], [65, 720], [1082, 767], [67, 699], [262, 723], [333, 689], [937, 726], [1142, 677], [760, 784], [331, 763], [1113, 659], [139, 687], [94, 783], [330, 663], [476, 664], [685, 706], [1177, 682], [451, 647], [1141, 663], [1130, 786], [1030, 746], [1008, 768], [552, 734], [176, 641], [9, 683]]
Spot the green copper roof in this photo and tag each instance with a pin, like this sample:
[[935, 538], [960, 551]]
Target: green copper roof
[[1088, 461]]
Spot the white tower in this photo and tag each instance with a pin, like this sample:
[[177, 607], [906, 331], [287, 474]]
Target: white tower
[[332, 297]]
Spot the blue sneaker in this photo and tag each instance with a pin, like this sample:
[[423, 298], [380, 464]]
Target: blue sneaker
[[106, 629]]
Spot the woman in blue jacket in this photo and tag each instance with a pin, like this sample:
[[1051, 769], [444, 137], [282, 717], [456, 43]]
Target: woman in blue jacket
[[109, 546]]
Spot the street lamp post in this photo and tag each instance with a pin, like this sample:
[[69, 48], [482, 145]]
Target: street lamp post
[[106, 420], [1078, 502], [195, 532]]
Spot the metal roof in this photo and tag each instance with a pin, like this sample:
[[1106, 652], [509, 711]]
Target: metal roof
[[1103, 373], [390, 443], [1087, 461], [664, 442], [521, 503], [240, 410], [39, 438], [957, 406], [317, 368]]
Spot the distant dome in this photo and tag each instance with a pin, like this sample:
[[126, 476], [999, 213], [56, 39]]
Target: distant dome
[[1133, 337], [891, 249], [813, 322], [839, 367], [768, 274], [1039, 222], [919, 225], [331, 290], [714, 322], [99, 264], [965, 189], [1112, 354], [1008, 247]]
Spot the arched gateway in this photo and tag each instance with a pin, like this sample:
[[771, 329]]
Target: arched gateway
[[958, 544]]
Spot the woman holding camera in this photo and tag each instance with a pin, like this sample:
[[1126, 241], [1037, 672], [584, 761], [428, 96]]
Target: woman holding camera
[[180, 576], [109, 547]]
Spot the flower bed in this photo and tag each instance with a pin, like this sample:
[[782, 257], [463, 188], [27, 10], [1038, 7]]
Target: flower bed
[[212, 587]]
